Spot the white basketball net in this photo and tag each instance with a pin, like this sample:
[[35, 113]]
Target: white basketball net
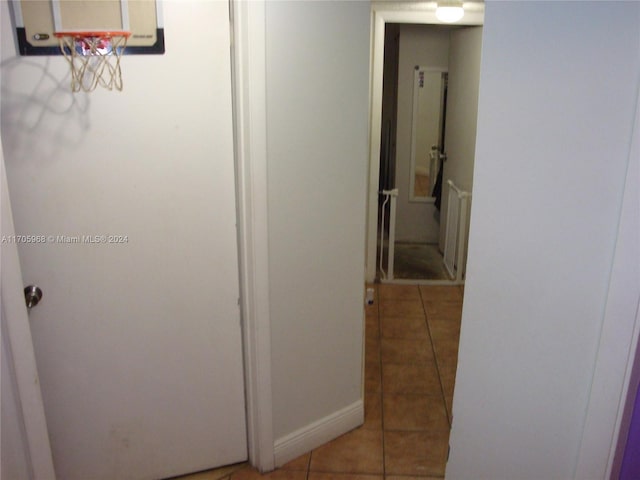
[[94, 60]]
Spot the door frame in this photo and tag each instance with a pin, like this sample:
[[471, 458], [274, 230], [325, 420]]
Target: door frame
[[381, 14], [248, 24]]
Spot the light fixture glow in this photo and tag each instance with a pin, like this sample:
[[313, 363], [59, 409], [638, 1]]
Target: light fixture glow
[[449, 11]]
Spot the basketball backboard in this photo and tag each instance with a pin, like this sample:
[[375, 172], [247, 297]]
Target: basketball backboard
[[37, 22]]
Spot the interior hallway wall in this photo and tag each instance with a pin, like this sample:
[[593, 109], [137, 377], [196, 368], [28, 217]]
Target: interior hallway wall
[[555, 120], [317, 133]]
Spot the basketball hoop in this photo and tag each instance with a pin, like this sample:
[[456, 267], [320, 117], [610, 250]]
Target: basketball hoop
[[94, 58]]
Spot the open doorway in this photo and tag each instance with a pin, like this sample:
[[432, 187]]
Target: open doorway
[[424, 108]]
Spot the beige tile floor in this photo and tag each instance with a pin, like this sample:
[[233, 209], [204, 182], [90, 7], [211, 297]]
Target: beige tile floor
[[411, 354]]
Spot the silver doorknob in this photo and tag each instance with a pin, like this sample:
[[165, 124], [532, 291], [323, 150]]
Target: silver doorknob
[[32, 296]]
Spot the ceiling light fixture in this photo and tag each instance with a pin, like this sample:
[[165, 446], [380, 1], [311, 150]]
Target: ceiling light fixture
[[449, 11]]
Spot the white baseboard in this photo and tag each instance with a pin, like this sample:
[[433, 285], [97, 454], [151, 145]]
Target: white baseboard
[[318, 433]]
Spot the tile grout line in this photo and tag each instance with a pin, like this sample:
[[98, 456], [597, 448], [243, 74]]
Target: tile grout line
[[435, 357]]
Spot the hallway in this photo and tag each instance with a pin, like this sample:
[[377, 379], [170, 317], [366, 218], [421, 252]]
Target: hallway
[[412, 335]]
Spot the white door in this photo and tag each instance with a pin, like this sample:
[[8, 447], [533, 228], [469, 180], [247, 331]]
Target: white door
[[124, 206]]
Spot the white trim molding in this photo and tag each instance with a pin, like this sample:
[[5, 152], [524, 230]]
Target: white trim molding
[[317, 433], [249, 74]]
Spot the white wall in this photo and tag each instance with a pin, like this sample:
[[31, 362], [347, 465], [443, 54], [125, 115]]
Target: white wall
[[317, 111], [557, 97], [462, 114], [427, 46]]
